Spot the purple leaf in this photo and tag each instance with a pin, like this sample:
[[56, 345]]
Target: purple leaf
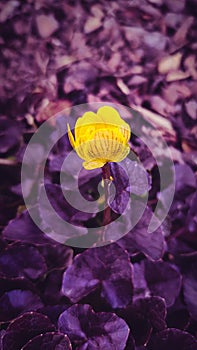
[[24, 328], [53, 311], [163, 280], [87, 179], [10, 134], [56, 255], [139, 282], [51, 287], [137, 183], [140, 240], [144, 316], [22, 260], [192, 213], [178, 248], [22, 283], [139, 324], [105, 267], [154, 309], [171, 339], [23, 229], [8, 200], [3, 244], [178, 318], [16, 302], [2, 333], [58, 160], [121, 182], [185, 179], [88, 183], [130, 343], [90, 330], [65, 210], [59, 206], [139, 179], [49, 341], [190, 289]]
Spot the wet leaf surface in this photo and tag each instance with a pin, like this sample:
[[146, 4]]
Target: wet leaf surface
[[107, 268], [50, 341], [88, 329], [171, 339], [24, 328]]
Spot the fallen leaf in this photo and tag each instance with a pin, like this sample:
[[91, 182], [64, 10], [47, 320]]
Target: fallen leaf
[[49, 109], [168, 63], [46, 25], [190, 66], [92, 24], [175, 91], [191, 108], [177, 75], [180, 35]]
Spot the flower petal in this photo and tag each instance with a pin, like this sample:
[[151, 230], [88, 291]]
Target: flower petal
[[89, 118], [101, 137], [109, 115], [93, 164], [71, 137]]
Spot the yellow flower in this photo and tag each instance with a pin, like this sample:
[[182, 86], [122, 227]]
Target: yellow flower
[[100, 137]]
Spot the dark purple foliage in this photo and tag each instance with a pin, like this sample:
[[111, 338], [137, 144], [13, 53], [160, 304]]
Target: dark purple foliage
[[178, 318], [62, 206], [10, 134], [121, 182], [190, 289], [49, 341], [89, 330], [22, 260], [107, 268], [16, 302], [192, 214], [139, 282], [64, 210], [140, 291], [8, 284], [2, 333], [163, 279], [53, 311], [183, 209], [51, 287], [139, 325], [139, 178], [140, 240], [56, 255], [88, 182], [154, 309], [180, 249], [24, 328], [144, 316], [2, 244], [171, 339], [23, 229], [185, 179], [130, 343], [134, 181]]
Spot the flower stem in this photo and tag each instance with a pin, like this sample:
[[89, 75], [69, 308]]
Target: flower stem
[[106, 178]]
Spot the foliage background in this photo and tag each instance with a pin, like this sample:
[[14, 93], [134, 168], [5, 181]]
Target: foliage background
[[56, 54]]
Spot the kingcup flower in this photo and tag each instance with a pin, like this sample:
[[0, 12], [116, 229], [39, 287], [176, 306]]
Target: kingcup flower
[[100, 137]]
